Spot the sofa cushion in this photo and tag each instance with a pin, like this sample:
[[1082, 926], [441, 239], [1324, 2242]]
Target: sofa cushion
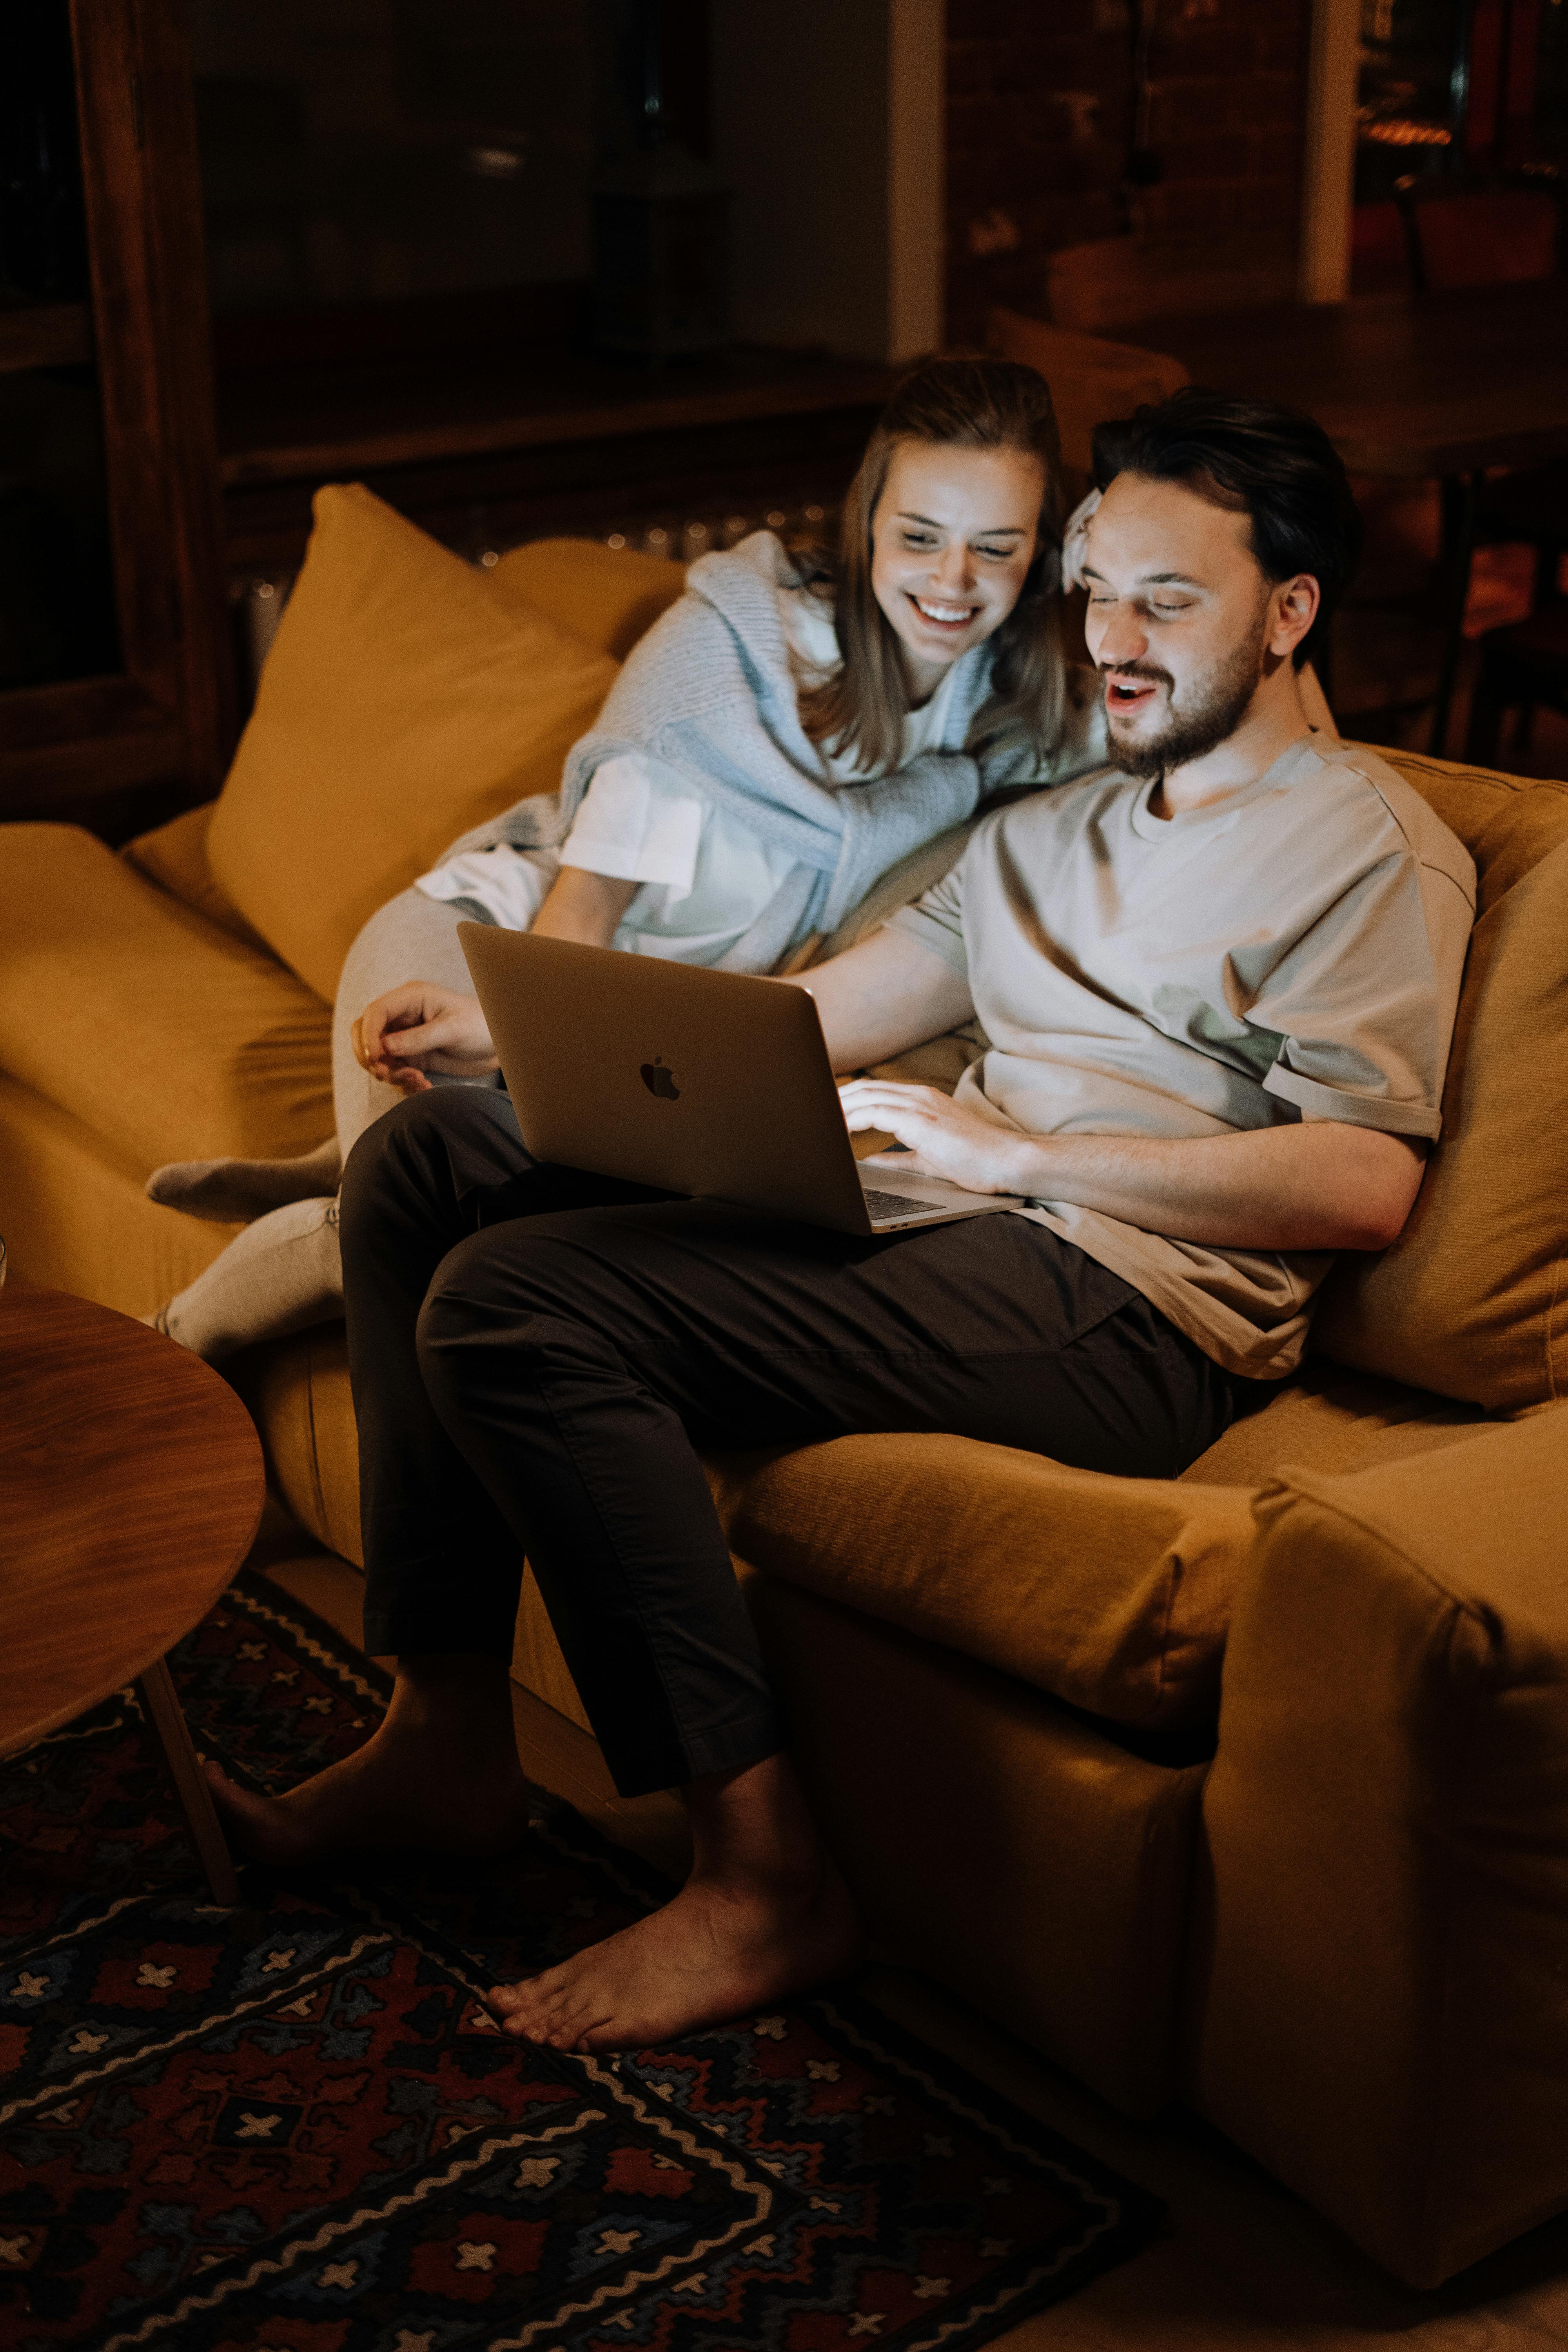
[[607, 596], [402, 702], [175, 856], [1472, 1299], [75, 1215], [1328, 1418], [167, 1037]]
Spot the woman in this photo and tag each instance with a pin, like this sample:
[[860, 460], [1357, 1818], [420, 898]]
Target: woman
[[792, 732]]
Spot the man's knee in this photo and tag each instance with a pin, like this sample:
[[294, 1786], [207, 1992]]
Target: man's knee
[[414, 1154], [524, 1288], [388, 1152]]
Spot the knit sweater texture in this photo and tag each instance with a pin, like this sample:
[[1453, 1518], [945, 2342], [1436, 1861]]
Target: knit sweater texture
[[710, 692]]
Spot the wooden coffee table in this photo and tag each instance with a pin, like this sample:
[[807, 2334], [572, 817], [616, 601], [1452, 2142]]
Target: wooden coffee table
[[130, 1486]]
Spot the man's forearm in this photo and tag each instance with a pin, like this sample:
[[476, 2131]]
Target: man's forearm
[[1316, 1185]]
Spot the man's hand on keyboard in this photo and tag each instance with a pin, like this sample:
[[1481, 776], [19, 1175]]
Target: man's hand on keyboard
[[940, 1140]]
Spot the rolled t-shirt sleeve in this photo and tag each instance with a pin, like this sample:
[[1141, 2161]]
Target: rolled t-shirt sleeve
[[637, 822], [936, 921], [1363, 1002]]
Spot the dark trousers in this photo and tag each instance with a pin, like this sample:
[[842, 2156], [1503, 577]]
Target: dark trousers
[[537, 1355]]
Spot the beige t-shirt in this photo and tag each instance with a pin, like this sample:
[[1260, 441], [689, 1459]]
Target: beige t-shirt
[[1293, 952]]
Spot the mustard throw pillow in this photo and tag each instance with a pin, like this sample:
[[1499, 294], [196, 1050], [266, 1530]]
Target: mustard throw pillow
[[605, 595], [402, 702]]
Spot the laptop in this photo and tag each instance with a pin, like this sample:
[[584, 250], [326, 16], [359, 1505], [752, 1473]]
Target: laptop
[[700, 1082]]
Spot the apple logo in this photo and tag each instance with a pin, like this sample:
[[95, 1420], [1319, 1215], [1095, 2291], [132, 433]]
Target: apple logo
[[660, 1081]]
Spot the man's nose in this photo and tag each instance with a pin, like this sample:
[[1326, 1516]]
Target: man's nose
[[1121, 637]]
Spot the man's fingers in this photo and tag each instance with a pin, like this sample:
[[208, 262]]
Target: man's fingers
[[899, 1163]]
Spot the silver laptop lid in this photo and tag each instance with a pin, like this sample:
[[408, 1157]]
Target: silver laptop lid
[[669, 1073]]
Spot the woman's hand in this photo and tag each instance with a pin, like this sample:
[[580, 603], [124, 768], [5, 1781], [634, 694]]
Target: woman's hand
[[422, 1026], [941, 1139]]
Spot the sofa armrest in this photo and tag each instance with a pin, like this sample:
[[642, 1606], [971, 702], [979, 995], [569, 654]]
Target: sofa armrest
[[1111, 1593], [1376, 1995]]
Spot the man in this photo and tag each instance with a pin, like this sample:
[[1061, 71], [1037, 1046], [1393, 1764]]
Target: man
[[1218, 986]]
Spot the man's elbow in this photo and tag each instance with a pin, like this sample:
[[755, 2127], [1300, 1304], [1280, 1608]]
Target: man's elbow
[[1370, 1229], [1380, 1189]]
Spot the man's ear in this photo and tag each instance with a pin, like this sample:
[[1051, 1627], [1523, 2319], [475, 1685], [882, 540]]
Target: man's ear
[[1293, 608]]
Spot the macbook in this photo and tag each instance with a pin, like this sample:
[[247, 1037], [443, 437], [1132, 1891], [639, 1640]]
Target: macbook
[[707, 1083]]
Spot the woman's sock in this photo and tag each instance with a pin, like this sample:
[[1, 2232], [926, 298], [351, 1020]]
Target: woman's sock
[[232, 1192], [281, 1275]]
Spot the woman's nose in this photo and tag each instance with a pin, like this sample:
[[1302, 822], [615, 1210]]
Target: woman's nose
[[953, 569]]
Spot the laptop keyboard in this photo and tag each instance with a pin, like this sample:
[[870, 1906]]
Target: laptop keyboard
[[895, 1205]]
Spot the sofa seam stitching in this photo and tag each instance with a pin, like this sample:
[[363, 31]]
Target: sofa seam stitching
[[1463, 1779], [1549, 1335]]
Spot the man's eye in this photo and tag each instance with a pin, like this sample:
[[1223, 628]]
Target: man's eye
[[1166, 611]]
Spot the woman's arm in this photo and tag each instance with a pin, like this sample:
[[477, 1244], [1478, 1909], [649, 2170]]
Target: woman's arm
[[584, 906]]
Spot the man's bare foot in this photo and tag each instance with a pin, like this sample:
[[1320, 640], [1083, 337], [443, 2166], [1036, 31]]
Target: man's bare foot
[[712, 1954], [439, 1776]]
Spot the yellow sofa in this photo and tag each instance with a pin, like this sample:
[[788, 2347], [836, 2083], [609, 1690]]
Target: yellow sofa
[[1248, 1789]]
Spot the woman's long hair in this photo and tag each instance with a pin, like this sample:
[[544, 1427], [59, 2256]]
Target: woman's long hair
[[859, 711]]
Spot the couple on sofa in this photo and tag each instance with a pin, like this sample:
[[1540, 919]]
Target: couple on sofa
[[1215, 981]]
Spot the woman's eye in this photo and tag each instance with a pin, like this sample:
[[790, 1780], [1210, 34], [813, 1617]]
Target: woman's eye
[[917, 539]]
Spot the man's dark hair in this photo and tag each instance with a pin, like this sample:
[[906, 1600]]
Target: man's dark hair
[[1258, 456]]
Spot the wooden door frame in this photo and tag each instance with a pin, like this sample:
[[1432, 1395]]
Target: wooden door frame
[[1329, 158], [167, 717]]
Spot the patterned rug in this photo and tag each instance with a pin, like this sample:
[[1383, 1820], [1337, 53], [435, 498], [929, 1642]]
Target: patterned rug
[[292, 2127]]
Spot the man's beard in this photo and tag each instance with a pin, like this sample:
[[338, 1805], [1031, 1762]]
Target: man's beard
[[1192, 733]]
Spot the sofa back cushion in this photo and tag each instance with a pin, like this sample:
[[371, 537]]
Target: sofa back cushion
[[1472, 1299], [606, 596], [402, 702]]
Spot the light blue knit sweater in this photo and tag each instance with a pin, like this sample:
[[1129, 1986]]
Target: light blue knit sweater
[[710, 692]]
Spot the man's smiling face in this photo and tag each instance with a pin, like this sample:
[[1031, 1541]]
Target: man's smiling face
[[1179, 622]]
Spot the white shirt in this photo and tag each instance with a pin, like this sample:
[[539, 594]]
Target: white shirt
[[704, 875]]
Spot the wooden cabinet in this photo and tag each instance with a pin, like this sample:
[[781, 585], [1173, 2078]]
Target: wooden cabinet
[[153, 731]]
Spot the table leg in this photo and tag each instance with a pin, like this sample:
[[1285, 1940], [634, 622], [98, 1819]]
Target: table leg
[[1460, 494], [166, 1721]]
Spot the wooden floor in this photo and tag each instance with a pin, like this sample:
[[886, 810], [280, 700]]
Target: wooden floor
[[1244, 2267]]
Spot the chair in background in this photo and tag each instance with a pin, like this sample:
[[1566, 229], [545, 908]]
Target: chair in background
[[1120, 281], [1380, 251], [1495, 232], [1492, 232], [1091, 380], [1521, 668]]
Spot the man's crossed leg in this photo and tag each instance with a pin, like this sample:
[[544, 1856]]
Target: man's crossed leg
[[537, 1356]]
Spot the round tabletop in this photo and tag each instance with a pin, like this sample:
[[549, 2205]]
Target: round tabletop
[[130, 1486]]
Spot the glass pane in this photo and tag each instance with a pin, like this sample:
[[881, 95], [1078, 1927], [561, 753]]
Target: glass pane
[[358, 151], [1411, 79], [57, 597]]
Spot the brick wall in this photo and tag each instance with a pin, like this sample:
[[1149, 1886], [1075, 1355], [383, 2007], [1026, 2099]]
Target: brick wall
[[1039, 106]]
